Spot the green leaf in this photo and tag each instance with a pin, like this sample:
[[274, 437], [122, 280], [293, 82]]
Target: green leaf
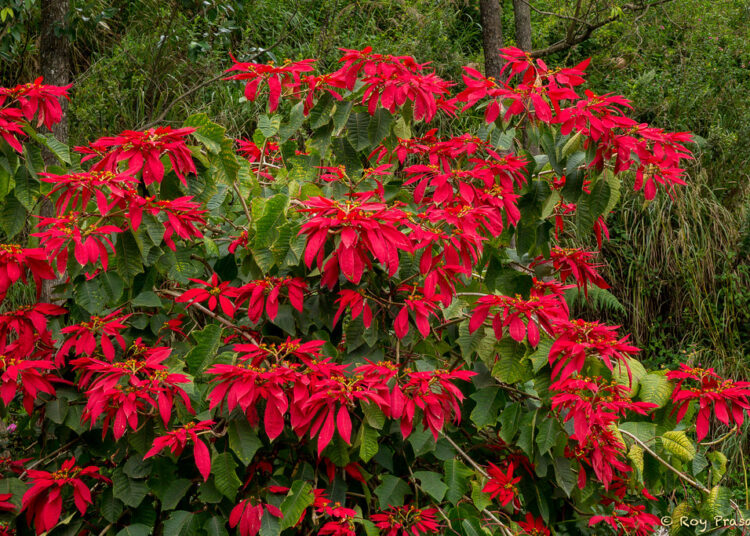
[[717, 503], [300, 496], [718, 465], [369, 443], [677, 443], [182, 523], [269, 126], [509, 369], [457, 477], [27, 189], [432, 483], [174, 492], [207, 345], [139, 529], [129, 491], [207, 132], [391, 491], [655, 388], [480, 499], [547, 433], [373, 414], [489, 401], [225, 478], [13, 216], [128, 256], [681, 511], [565, 477], [266, 226], [215, 526], [296, 118], [147, 298], [243, 440], [379, 126], [224, 166], [356, 130]]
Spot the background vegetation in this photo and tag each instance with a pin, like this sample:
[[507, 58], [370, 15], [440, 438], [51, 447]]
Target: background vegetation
[[679, 269]]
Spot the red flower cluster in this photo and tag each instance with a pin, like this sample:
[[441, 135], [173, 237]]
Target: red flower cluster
[[16, 261], [23, 102], [319, 395], [502, 485], [727, 398], [407, 520], [43, 500], [576, 339], [538, 311], [176, 441], [143, 151], [135, 385]]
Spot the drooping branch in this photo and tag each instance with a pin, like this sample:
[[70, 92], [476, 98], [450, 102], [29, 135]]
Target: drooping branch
[[581, 28]]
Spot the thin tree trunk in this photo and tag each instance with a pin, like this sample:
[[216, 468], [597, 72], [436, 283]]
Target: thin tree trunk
[[54, 59], [491, 13], [522, 17]]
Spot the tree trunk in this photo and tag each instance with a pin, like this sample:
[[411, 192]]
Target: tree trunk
[[491, 13], [522, 17], [54, 60]]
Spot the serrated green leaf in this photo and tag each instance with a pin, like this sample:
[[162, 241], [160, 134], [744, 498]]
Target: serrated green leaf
[[368, 446], [379, 126], [391, 491], [677, 443], [182, 523], [299, 497], [432, 483], [207, 345], [655, 388], [131, 492], [457, 477], [243, 440], [138, 529], [489, 401], [225, 478]]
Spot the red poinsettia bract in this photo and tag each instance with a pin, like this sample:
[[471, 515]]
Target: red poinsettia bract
[[727, 398], [176, 440], [43, 500], [407, 520]]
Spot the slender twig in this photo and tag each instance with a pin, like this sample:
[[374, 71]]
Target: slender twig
[[682, 476], [210, 313]]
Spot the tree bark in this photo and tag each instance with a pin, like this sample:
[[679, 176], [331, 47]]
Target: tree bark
[[491, 13], [54, 60], [522, 18]]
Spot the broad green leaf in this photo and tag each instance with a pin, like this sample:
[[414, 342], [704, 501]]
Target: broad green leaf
[[369, 443], [356, 130], [207, 132], [681, 511], [480, 499], [173, 494], [207, 345], [129, 491], [379, 126], [432, 484], [457, 477], [548, 430], [127, 256], [182, 523], [12, 216], [489, 400], [138, 529], [146, 298], [243, 440], [391, 491], [718, 465], [27, 189], [717, 503], [677, 443], [216, 526], [225, 478], [296, 118], [269, 126], [266, 226], [299, 497], [565, 476], [655, 388]]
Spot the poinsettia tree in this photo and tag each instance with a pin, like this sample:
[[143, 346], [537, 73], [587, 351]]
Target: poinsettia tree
[[353, 321]]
